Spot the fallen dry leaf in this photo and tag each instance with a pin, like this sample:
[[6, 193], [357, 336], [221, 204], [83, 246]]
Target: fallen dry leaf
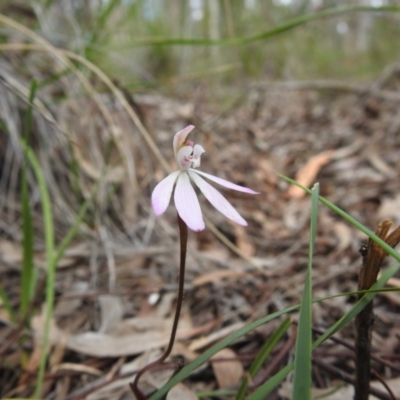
[[306, 175], [130, 337], [111, 312], [227, 373], [181, 392]]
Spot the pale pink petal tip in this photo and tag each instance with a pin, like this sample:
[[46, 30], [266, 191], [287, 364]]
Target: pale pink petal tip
[[224, 182]]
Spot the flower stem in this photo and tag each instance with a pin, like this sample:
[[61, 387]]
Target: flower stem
[[183, 235]]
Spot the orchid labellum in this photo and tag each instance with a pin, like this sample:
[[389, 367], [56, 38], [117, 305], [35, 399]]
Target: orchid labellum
[[188, 157]]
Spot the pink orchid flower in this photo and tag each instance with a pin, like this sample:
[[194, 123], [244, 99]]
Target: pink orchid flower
[[188, 156]]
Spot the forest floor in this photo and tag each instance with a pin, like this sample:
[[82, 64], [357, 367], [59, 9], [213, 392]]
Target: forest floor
[[345, 138]]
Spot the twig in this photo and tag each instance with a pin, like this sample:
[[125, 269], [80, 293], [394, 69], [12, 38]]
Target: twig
[[373, 257], [183, 231], [350, 379], [382, 381], [350, 346]]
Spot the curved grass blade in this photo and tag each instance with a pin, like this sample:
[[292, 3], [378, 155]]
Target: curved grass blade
[[262, 356], [53, 257], [330, 12], [215, 394], [49, 246], [303, 352]]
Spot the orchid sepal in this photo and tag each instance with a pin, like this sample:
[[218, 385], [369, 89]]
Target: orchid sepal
[[226, 183], [161, 195]]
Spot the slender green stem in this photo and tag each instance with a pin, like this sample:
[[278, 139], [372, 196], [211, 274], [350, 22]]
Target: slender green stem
[[51, 267], [27, 281], [183, 234]]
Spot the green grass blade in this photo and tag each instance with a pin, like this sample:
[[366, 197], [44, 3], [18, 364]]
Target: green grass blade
[[349, 219], [303, 352], [100, 24], [272, 383], [72, 231], [104, 16], [218, 394], [262, 356], [49, 246], [298, 21], [53, 257], [27, 281], [268, 347]]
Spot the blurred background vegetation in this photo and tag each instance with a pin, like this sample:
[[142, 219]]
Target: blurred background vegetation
[[127, 38]]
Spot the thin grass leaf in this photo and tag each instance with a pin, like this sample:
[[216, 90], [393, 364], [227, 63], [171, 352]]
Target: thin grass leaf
[[349, 219], [54, 257], [73, 230], [215, 394], [104, 16], [27, 281], [298, 21], [303, 353], [49, 246], [273, 382], [100, 28], [262, 356]]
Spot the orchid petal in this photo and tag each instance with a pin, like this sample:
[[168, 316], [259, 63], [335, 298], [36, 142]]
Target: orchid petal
[[180, 138], [187, 204], [162, 193], [226, 183], [216, 199]]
